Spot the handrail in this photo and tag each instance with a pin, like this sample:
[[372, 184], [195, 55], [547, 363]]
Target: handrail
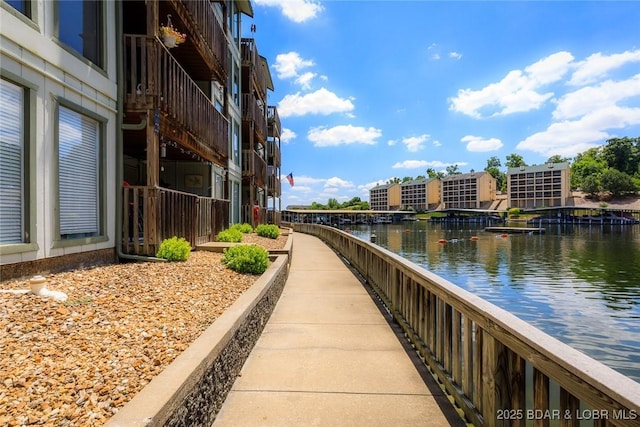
[[155, 80], [152, 214], [498, 368]]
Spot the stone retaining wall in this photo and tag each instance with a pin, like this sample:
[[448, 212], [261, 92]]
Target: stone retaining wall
[[192, 389]]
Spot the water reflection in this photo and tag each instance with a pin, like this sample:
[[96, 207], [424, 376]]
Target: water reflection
[[580, 284]]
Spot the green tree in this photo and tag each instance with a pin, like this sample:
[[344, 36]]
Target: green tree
[[558, 159], [515, 161], [453, 170], [622, 154], [431, 173], [616, 182], [493, 168], [333, 204], [591, 185], [588, 163]]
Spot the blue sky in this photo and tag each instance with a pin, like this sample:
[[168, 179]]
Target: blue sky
[[371, 90]]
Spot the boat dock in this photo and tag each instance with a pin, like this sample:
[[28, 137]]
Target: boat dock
[[515, 230]]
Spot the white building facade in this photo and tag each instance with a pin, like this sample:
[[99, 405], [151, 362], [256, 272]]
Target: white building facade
[[58, 109]]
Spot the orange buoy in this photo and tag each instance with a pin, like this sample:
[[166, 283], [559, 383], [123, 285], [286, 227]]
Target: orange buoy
[[442, 241], [474, 237], [504, 235], [406, 230]]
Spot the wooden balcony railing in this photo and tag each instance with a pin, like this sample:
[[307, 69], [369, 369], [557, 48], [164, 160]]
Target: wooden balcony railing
[[252, 111], [151, 215], [274, 186], [254, 166], [155, 80], [274, 156], [499, 369], [209, 30], [251, 61], [273, 121]]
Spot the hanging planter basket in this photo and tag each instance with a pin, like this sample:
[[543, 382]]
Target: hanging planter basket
[[169, 41], [170, 36]]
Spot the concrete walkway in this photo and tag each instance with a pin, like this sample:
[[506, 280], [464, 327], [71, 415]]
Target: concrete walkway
[[328, 357]]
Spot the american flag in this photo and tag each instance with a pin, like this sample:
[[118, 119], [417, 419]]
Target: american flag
[[290, 179]]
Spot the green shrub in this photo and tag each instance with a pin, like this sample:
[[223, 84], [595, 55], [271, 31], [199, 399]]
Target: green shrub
[[268, 230], [229, 235], [174, 249], [243, 228], [252, 259], [514, 212]]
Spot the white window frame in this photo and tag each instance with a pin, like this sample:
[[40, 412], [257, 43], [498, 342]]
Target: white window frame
[[23, 115], [80, 214]]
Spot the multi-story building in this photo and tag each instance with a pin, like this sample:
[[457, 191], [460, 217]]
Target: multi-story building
[[546, 185], [474, 190], [420, 194], [175, 121], [274, 166], [385, 197], [59, 120], [256, 79], [122, 126]]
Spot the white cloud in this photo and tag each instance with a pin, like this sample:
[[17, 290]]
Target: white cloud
[[480, 144], [597, 66], [516, 92], [287, 135], [568, 138], [415, 164], [455, 55], [392, 142], [302, 180], [343, 135], [415, 143], [321, 101], [411, 164], [288, 65], [296, 10], [592, 98], [337, 183], [304, 80]]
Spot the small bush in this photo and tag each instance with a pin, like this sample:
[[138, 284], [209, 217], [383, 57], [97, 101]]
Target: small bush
[[514, 212], [243, 228], [174, 249], [229, 235], [268, 230], [250, 259]]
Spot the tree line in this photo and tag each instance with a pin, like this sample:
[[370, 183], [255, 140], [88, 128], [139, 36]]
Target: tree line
[[612, 170]]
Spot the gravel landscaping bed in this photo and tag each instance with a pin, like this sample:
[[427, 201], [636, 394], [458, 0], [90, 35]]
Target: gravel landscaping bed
[[74, 363]]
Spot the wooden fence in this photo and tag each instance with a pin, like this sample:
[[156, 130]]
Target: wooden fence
[[499, 370], [154, 214]]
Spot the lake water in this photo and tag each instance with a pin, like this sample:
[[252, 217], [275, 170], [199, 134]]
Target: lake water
[[580, 284]]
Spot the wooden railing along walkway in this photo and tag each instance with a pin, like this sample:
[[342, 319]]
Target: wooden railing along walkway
[[500, 370]]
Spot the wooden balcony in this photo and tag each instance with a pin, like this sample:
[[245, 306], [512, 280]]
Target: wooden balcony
[[274, 186], [251, 62], [253, 111], [154, 214], [156, 85], [206, 34], [274, 156], [273, 122], [254, 166]]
